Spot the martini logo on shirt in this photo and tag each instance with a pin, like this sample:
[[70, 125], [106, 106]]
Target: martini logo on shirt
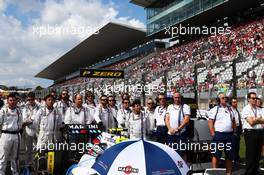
[[76, 126], [128, 169]]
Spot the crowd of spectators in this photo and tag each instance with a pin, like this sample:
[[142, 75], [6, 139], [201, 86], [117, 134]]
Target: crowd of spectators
[[124, 64], [243, 41]]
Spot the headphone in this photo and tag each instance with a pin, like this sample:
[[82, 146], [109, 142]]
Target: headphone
[[218, 98]]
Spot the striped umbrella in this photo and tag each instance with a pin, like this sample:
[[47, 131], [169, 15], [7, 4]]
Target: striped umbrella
[[140, 157]]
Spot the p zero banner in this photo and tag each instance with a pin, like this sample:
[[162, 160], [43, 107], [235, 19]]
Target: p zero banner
[[96, 73]]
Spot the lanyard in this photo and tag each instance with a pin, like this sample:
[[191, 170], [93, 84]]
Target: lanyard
[[254, 111], [239, 117], [147, 113], [77, 110], [161, 110]]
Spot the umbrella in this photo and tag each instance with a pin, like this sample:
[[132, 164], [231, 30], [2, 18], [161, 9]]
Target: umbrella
[[140, 157]]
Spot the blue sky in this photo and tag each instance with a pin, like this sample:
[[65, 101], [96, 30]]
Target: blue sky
[[25, 53]]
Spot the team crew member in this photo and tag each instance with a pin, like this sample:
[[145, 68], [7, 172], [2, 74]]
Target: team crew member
[[177, 117], [150, 120], [159, 115], [123, 96], [222, 126], [252, 133], [48, 123], [259, 104], [54, 94], [63, 104], [123, 113], [29, 134], [103, 115], [239, 128], [90, 104], [11, 122], [77, 114], [112, 106], [136, 123], [20, 102]]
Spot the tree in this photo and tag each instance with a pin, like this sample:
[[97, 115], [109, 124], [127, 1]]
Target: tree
[[3, 87], [39, 88]]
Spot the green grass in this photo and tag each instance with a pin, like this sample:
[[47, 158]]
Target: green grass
[[242, 151]]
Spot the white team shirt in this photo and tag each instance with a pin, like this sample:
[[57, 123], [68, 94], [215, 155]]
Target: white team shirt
[[11, 119], [76, 115], [62, 107], [223, 118], [114, 110], [150, 120], [236, 115], [122, 116], [91, 108], [104, 115], [28, 113], [159, 115], [249, 111], [174, 113], [134, 125]]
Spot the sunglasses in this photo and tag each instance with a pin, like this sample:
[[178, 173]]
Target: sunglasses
[[150, 103], [254, 98], [161, 98]]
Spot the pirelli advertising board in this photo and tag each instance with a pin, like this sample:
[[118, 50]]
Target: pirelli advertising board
[[97, 73]]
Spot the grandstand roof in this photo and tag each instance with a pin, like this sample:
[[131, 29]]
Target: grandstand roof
[[112, 39], [143, 3]]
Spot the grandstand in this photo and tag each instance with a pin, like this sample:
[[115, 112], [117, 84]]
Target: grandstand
[[162, 14], [216, 61], [104, 50]]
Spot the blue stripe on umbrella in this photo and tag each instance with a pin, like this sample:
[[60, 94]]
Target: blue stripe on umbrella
[[103, 166], [154, 160]]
